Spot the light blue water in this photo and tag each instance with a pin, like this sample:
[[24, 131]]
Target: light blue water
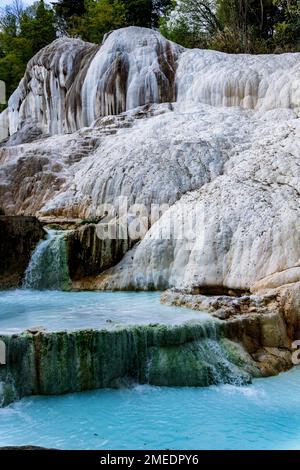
[[57, 310], [264, 415]]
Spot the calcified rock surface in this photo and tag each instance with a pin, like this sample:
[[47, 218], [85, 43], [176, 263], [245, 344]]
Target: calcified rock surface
[[266, 324], [214, 136], [191, 354], [70, 83]]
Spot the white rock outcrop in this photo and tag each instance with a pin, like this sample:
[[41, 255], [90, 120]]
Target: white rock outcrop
[[70, 83], [235, 230], [216, 137]]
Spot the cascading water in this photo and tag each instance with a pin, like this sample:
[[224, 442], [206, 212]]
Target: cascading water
[[207, 358], [48, 267], [191, 354], [221, 357]]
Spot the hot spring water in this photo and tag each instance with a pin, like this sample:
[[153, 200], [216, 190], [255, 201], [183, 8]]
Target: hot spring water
[[95, 339], [264, 415], [59, 310], [180, 345]]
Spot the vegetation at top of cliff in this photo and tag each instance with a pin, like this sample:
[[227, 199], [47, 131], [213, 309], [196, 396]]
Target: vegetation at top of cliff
[[92, 19], [23, 32], [234, 26], [237, 26]]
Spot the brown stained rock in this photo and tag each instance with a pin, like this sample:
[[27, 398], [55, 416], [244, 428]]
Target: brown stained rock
[[272, 361], [89, 255], [265, 324]]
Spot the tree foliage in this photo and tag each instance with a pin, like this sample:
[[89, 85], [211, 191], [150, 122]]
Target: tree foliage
[[90, 19], [101, 17], [23, 32], [67, 13], [226, 25], [235, 25]]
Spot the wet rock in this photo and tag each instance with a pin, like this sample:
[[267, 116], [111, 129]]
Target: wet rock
[[266, 325], [191, 354], [89, 255]]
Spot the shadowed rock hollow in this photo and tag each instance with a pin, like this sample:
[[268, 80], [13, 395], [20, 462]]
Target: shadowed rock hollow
[[18, 238]]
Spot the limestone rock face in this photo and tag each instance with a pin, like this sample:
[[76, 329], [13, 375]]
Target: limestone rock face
[[261, 82], [4, 125], [43, 92], [70, 83], [88, 255], [237, 229], [266, 325], [212, 137], [77, 175]]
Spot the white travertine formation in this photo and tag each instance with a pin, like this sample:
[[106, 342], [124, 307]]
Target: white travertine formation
[[261, 82], [50, 86], [4, 125], [70, 83], [221, 146], [235, 230]]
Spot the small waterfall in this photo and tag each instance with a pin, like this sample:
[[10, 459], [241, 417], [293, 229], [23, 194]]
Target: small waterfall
[[191, 354], [48, 267], [196, 354], [215, 354]]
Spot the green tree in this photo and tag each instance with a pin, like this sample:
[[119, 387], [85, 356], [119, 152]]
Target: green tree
[[138, 12], [101, 17], [68, 14], [145, 13], [287, 27], [22, 33], [37, 25], [235, 25], [195, 21]]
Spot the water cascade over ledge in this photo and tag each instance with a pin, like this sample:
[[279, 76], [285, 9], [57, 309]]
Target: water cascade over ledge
[[195, 353], [48, 267]]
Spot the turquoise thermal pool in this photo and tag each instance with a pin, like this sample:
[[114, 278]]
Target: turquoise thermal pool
[[264, 415], [58, 310]]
